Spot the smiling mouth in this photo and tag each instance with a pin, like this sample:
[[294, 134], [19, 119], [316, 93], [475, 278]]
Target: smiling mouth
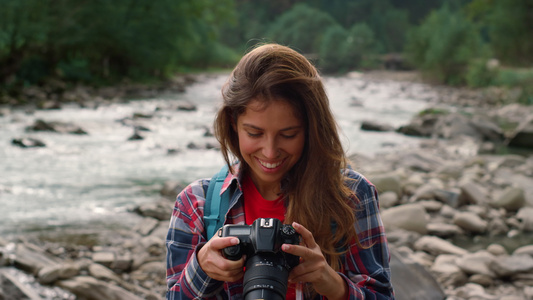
[[270, 165]]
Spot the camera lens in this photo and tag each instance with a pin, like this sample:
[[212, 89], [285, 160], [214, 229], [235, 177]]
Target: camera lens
[[265, 277]]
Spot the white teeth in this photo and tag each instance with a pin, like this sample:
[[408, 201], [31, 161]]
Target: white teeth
[[269, 165]]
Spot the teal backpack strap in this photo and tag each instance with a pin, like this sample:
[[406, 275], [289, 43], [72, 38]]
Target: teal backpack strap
[[216, 205]]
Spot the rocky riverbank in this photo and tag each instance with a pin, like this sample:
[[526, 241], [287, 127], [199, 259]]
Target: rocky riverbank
[[455, 206]]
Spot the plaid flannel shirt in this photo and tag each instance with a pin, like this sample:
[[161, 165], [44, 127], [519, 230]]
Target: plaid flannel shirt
[[366, 271]]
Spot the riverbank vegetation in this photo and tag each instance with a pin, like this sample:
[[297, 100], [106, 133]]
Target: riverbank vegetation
[[60, 44]]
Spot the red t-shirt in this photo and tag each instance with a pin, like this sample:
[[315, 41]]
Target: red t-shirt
[[255, 206]]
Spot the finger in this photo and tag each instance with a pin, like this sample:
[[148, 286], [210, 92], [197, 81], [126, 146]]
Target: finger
[[297, 250], [307, 236], [221, 243]]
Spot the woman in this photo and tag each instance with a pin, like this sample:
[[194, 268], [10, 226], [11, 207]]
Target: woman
[[275, 121]]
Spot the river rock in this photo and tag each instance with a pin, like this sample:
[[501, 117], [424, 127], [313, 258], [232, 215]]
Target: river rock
[[99, 271], [32, 259], [512, 199], [510, 265], [477, 263], [421, 126], [407, 271], [146, 226], [27, 142], [159, 209], [525, 215], [473, 193], [419, 161], [523, 135], [11, 288], [411, 217], [447, 272], [496, 249], [387, 182], [470, 222], [375, 126], [388, 199], [443, 230], [90, 288], [52, 273], [528, 249], [453, 125], [436, 246], [105, 258], [54, 126], [171, 189]]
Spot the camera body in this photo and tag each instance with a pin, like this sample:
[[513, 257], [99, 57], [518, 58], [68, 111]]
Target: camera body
[[267, 267]]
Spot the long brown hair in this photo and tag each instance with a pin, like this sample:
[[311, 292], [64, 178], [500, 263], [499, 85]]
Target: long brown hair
[[314, 188]]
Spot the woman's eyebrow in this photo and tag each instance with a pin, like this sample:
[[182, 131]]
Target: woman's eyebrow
[[259, 128]]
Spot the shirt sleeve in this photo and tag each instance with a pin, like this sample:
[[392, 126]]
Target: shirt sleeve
[[185, 278], [367, 270]]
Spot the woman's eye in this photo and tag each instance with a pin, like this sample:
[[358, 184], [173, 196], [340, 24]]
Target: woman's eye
[[289, 136], [251, 134]]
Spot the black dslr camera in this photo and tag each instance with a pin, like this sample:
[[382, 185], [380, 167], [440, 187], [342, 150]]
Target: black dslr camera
[[267, 267]]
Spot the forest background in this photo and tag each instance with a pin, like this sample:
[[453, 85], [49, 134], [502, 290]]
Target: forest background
[[473, 43]]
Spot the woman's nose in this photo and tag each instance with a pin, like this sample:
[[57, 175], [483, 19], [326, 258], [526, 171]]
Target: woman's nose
[[270, 149]]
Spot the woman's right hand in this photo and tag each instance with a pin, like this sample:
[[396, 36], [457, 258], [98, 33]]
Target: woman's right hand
[[215, 265]]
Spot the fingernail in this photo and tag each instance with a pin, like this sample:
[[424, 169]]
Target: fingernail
[[295, 225], [234, 241], [285, 247]]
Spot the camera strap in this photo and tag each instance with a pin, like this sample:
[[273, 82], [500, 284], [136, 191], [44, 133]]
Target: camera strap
[[216, 204]]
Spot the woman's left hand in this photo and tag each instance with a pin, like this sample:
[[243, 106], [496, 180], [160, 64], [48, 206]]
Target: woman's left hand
[[313, 267]]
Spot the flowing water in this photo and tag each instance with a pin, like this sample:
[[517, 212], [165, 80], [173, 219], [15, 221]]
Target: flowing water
[[93, 181]]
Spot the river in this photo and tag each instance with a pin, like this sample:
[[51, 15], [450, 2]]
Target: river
[[92, 182]]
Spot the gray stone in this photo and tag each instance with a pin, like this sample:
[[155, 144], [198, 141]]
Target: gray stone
[[447, 271], [443, 230], [525, 215], [387, 182], [483, 280], [528, 249], [146, 226], [33, 260], [436, 246], [388, 199], [496, 249], [411, 217], [523, 135], [511, 265], [52, 273], [12, 288], [90, 288], [369, 125], [431, 205], [472, 193], [477, 263], [105, 258], [470, 222], [512, 199], [408, 271]]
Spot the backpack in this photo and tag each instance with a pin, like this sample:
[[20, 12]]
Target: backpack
[[216, 206]]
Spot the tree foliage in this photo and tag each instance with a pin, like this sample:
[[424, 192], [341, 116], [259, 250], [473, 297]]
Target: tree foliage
[[106, 40], [509, 25], [444, 45]]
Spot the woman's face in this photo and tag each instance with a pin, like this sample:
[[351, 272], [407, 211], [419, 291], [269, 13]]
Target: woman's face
[[271, 141]]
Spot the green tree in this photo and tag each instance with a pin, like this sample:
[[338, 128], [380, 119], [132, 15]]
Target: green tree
[[444, 45], [105, 41], [302, 28], [509, 25]]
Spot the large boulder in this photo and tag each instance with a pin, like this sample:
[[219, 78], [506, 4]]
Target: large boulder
[[523, 135], [411, 280]]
